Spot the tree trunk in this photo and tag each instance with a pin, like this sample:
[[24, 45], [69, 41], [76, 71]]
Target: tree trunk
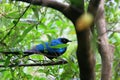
[[85, 56], [105, 49]]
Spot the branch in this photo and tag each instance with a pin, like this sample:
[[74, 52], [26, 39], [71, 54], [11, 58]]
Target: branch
[[69, 11], [48, 3], [37, 64], [92, 8], [116, 30]]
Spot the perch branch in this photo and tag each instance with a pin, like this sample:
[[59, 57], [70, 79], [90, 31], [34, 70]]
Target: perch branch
[[37, 64]]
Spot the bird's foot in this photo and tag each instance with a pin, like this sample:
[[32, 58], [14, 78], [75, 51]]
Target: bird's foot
[[61, 60], [39, 61]]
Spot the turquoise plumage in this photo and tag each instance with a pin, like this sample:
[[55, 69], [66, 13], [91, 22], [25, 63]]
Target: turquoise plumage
[[51, 49]]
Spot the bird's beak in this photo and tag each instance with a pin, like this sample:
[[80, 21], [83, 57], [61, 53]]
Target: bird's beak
[[69, 41]]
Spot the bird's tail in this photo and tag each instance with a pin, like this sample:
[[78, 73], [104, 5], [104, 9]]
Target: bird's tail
[[31, 51], [24, 53]]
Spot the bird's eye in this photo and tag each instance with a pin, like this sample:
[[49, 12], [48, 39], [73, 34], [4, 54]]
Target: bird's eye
[[64, 40]]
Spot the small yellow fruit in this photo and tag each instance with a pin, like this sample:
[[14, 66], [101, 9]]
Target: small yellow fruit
[[84, 21]]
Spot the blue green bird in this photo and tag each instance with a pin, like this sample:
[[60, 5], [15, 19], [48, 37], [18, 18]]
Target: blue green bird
[[52, 49]]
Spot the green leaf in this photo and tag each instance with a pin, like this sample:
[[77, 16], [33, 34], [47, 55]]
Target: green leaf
[[36, 12], [23, 35], [60, 46], [76, 3], [13, 14], [7, 61], [26, 31]]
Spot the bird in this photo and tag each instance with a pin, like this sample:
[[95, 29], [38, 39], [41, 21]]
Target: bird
[[50, 49]]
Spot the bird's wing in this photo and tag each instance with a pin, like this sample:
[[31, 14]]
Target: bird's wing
[[57, 50]]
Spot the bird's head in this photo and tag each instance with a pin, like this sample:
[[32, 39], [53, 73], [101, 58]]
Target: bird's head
[[64, 40]]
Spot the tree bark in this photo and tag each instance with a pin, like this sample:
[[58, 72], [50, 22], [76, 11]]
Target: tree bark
[[85, 52], [105, 49], [85, 56]]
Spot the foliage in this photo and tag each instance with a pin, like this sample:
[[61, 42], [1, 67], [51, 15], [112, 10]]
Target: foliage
[[26, 28], [23, 26]]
